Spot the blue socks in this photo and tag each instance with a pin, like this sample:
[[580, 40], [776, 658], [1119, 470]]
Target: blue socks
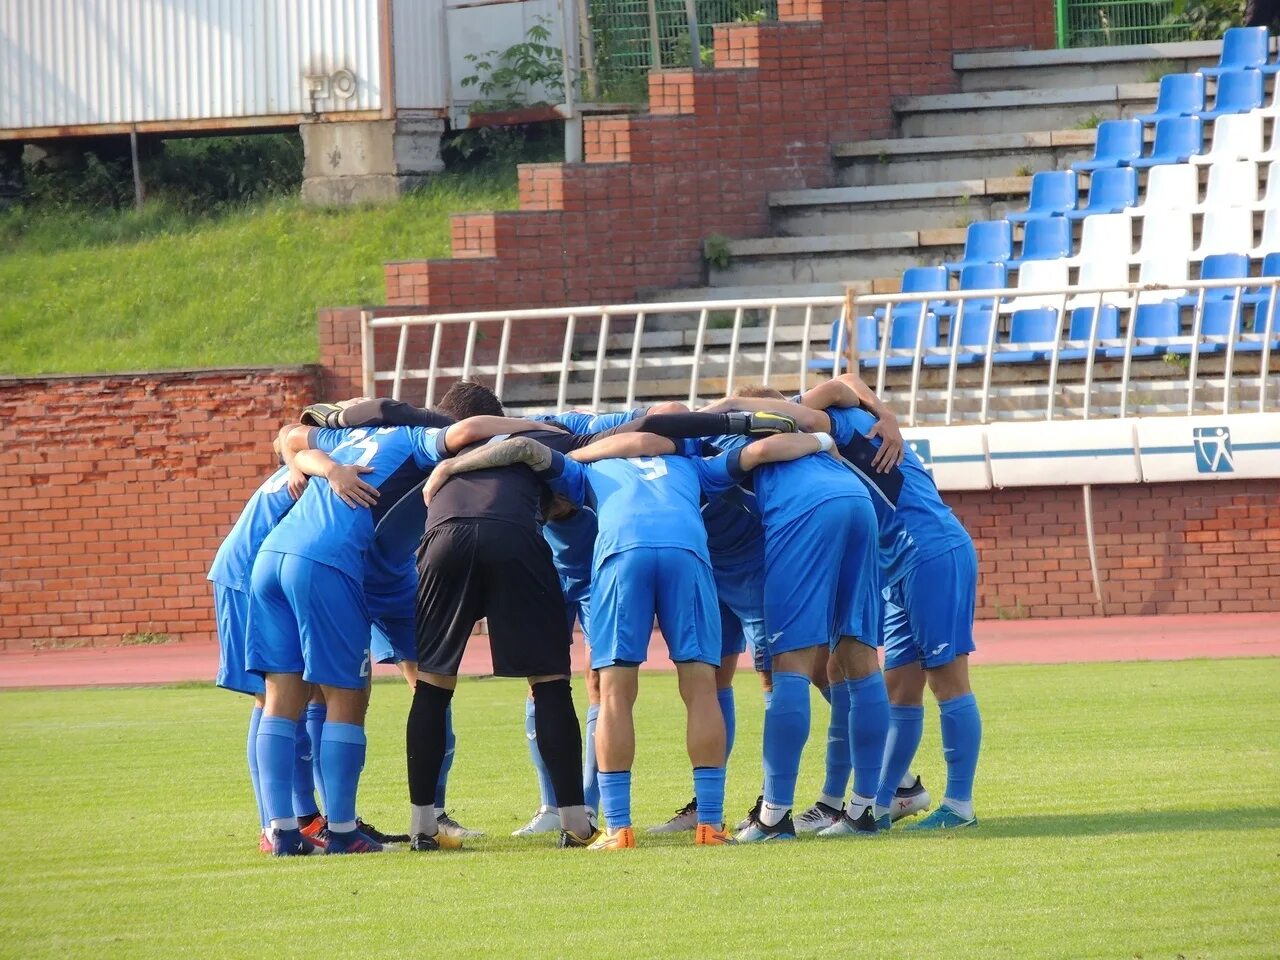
[[342, 748], [786, 728], [546, 792], [255, 717], [304, 788], [961, 740], [590, 772], [839, 759], [708, 790], [315, 715], [615, 795], [868, 728], [450, 745], [276, 746], [728, 709], [906, 724]]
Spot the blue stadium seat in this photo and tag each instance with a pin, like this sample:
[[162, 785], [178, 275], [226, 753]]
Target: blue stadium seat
[[987, 241], [1034, 325], [1110, 191], [1218, 266], [1082, 321], [1243, 48], [1239, 91], [1053, 193], [920, 280], [970, 328], [1161, 320], [903, 329], [867, 342], [1181, 95], [1177, 139], [977, 276], [1046, 239], [1118, 142]]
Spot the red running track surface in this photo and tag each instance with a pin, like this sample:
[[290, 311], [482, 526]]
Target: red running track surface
[[1089, 639]]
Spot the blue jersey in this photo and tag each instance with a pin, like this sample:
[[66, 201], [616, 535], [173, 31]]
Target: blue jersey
[[573, 540], [922, 526], [233, 563], [787, 491], [735, 535], [323, 528], [654, 501]]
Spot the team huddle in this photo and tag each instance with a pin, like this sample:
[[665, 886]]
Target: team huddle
[[802, 529]]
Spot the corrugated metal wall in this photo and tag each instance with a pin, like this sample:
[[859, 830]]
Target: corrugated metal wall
[[421, 54], [85, 62]]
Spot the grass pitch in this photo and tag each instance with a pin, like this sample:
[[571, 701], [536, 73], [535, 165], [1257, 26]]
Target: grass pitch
[[1128, 810]]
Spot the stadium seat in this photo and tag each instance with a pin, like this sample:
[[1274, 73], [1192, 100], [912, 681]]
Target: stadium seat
[[1118, 142], [1222, 309], [1110, 191], [920, 280], [1271, 197], [1177, 140], [1166, 234], [1106, 237], [1243, 48], [1239, 91], [903, 330], [978, 276], [1175, 186], [987, 241], [1225, 230], [1160, 321], [1218, 266], [970, 328], [1181, 95], [1270, 242], [1047, 239], [1232, 183], [1035, 325], [1081, 324], [868, 342], [1053, 193], [1237, 137]]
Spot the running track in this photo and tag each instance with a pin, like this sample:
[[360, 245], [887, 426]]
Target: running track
[[999, 641]]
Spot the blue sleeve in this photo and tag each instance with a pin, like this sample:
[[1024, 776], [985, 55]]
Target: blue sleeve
[[849, 422], [325, 439], [428, 445], [566, 478], [718, 474]]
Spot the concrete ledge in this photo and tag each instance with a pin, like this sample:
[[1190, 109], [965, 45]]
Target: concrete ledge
[[761, 292], [1108, 93], [901, 192], [1083, 57], [853, 242], [971, 143]]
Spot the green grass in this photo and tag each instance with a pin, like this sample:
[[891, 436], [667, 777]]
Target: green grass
[[88, 292], [1127, 811]]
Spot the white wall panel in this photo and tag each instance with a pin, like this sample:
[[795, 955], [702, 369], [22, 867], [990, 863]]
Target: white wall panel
[[955, 456], [1063, 452], [1242, 446]]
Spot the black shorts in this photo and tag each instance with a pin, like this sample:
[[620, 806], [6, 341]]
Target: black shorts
[[469, 569]]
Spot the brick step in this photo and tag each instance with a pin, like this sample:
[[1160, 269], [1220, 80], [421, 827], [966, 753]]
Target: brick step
[[1017, 111], [912, 160], [1059, 69], [907, 206]]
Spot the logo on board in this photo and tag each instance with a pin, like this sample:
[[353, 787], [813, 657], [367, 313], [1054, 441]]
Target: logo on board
[[1213, 450], [921, 449]]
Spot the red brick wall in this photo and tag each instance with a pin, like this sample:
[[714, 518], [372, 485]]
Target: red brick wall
[[115, 491], [633, 216], [1203, 547]]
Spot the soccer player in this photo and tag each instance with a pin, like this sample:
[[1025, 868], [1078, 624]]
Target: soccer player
[[230, 572], [821, 591], [930, 572]]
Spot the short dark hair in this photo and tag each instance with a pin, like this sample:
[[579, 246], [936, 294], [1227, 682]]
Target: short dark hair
[[761, 393], [469, 398]]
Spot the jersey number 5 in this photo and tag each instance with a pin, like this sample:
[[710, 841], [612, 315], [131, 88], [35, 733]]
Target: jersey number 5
[[651, 468]]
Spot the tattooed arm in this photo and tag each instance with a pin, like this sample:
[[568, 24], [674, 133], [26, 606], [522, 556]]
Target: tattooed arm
[[507, 453]]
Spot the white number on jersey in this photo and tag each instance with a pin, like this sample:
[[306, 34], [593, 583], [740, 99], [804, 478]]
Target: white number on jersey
[[651, 468], [276, 484], [365, 442]]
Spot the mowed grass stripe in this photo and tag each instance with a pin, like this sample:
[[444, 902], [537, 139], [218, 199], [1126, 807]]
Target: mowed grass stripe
[[1127, 810]]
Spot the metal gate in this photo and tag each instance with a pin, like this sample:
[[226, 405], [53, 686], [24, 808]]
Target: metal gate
[[1107, 23]]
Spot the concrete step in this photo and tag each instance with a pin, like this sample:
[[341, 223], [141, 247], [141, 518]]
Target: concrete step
[[965, 157], [1062, 69], [833, 259], [909, 206], [1016, 111]]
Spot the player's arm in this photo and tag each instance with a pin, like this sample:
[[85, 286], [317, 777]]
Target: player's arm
[[809, 420], [891, 443], [623, 446], [304, 459], [783, 447], [688, 426], [473, 430], [549, 465], [376, 412]]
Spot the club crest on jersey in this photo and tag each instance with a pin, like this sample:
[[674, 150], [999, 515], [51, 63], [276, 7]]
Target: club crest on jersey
[[1213, 450]]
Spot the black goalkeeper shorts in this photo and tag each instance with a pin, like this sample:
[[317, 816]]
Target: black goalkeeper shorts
[[473, 568]]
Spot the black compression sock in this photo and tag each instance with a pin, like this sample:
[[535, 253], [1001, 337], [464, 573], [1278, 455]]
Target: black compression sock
[[559, 739], [425, 741]]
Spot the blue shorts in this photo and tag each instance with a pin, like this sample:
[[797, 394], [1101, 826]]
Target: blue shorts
[[741, 592], [232, 610], [392, 640], [631, 587], [822, 577], [580, 611], [929, 612], [309, 618]]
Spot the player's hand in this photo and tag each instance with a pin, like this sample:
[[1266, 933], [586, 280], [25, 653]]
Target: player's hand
[[439, 474], [765, 423], [891, 444], [297, 482], [344, 479], [319, 414]]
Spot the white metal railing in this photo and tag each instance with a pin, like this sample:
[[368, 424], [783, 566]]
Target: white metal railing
[[783, 347]]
